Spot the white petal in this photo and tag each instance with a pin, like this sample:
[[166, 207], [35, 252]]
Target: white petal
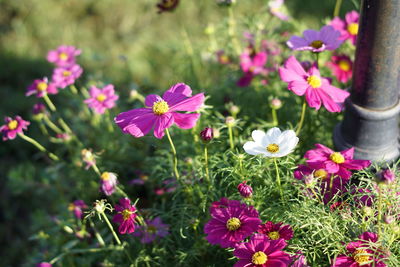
[[257, 136], [273, 135], [253, 148]]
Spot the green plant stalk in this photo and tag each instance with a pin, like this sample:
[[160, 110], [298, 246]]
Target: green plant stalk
[[274, 117], [230, 132], [302, 116], [278, 178], [38, 146], [206, 163], [97, 234], [111, 228], [49, 103], [87, 250], [73, 89], [175, 159], [64, 125], [337, 8], [379, 224], [52, 125]]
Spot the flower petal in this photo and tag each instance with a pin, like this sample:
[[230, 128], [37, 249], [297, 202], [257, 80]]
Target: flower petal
[[185, 121], [162, 122], [189, 104], [150, 99]]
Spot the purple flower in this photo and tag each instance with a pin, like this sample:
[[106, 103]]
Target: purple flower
[[386, 176], [126, 214], [299, 260], [77, 208], [108, 183], [64, 76], [44, 264], [276, 231], [316, 41], [245, 190], [161, 112], [153, 229], [101, 99], [38, 108], [13, 127], [41, 88], [231, 223], [63, 56], [252, 64], [207, 134]]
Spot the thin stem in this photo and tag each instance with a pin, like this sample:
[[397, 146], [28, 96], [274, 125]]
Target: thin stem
[[337, 8], [173, 154], [52, 125], [232, 30], [317, 59], [111, 228], [303, 113], [73, 89], [49, 103], [96, 169], [230, 132], [274, 117], [278, 178], [97, 234], [38, 146], [64, 125], [379, 211], [206, 163]]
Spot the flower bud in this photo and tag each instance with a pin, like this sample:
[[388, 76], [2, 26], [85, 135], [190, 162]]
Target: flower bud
[[245, 190], [367, 211], [234, 110], [388, 219], [207, 134], [230, 121], [385, 176], [276, 103]]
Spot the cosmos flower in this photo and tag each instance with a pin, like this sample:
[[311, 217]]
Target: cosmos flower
[[252, 64], [44, 264], [316, 41], [348, 28], [63, 56], [299, 260], [161, 112], [276, 231], [231, 224], [260, 251], [207, 134], [385, 176], [273, 144], [77, 208], [41, 87], [126, 214], [13, 127], [316, 89], [102, 99], [154, 228], [64, 76], [108, 183], [245, 190], [342, 67]]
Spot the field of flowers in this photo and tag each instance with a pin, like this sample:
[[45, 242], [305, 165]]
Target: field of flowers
[[176, 133]]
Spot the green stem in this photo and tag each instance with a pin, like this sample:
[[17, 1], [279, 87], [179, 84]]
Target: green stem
[[64, 125], [173, 155], [97, 234], [111, 228], [274, 117], [206, 163], [232, 30], [278, 178], [52, 125], [49, 103], [379, 211], [337, 8], [317, 59], [230, 132], [303, 113], [39, 146], [96, 169], [73, 89], [87, 250]]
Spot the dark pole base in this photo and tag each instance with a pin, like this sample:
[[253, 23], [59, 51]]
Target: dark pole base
[[373, 133]]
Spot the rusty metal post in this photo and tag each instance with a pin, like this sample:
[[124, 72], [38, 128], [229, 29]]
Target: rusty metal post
[[370, 123]]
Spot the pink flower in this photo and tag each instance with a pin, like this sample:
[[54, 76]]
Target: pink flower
[[245, 190], [342, 67], [231, 224], [63, 56], [276, 231], [386, 176], [252, 64], [316, 41], [317, 89], [101, 99], [41, 88], [77, 208], [38, 108], [108, 183], [64, 76], [207, 134], [299, 260], [44, 264], [153, 229], [261, 252], [275, 7], [13, 127], [161, 114], [348, 28], [338, 163], [363, 253], [125, 216]]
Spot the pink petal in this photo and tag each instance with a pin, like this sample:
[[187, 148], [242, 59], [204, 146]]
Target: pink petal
[[299, 87], [328, 102], [150, 99], [245, 80], [356, 164], [260, 59], [162, 122], [294, 65], [331, 167], [185, 121], [189, 104], [348, 153], [352, 17], [177, 93], [337, 95], [313, 98]]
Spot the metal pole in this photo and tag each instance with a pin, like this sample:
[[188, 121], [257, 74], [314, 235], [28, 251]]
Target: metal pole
[[370, 123]]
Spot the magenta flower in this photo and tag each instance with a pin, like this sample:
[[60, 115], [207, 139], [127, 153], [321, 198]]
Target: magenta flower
[[41, 88], [276, 9], [102, 99], [38, 109], [77, 208], [385, 176], [338, 163], [161, 112], [207, 134], [364, 253], [64, 76], [261, 252], [13, 127], [44, 264], [153, 229], [108, 183], [245, 190], [231, 224], [348, 28], [299, 260], [63, 56], [342, 67], [252, 64], [276, 231], [126, 214], [316, 41]]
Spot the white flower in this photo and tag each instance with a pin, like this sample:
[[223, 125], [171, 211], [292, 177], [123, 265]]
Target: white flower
[[274, 143]]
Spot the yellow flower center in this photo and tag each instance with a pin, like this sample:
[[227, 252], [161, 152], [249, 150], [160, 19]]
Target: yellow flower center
[[63, 56], [71, 206], [317, 44], [314, 81], [352, 28], [105, 176], [344, 65], [274, 235], [321, 174], [126, 214], [12, 125], [66, 73], [259, 258], [160, 107], [337, 157], [224, 59], [272, 148], [42, 86], [101, 97], [233, 224], [361, 256]]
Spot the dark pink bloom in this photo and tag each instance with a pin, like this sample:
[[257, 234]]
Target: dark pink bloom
[[161, 112], [338, 163], [276, 231], [316, 41], [41, 88], [153, 229], [348, 28], [363, 197], [316, 89], [38, 108], [299, 260], [63, 136], [64, 76], [101, 99], [252, 64], [231, 224], [362, 253], [342, 67], [386, 176], [63, 56], [261, 252], [207, 134], [13, 127], [44, 264], [245, 190], [77, 208], [108, 183], [126, 214]]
